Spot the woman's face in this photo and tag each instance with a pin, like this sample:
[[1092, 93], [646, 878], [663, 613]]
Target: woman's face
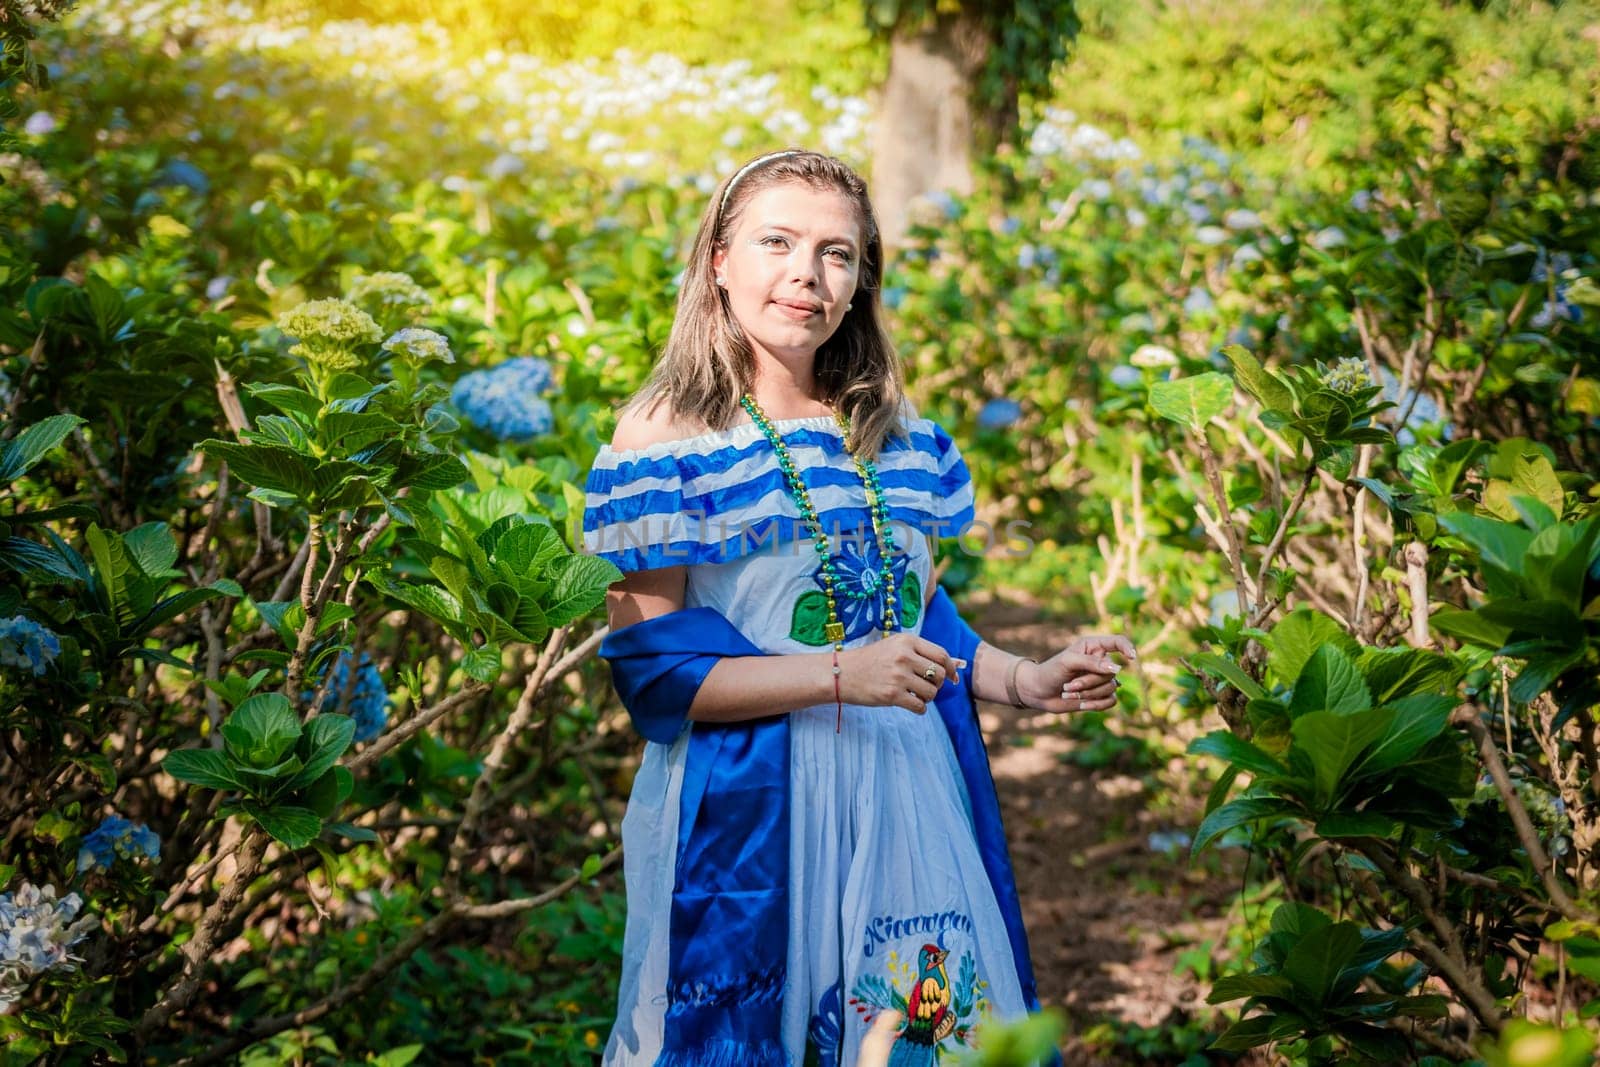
[[790, 267]]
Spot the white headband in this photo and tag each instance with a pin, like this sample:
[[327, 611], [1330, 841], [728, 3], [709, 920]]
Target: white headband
[[746, 169]]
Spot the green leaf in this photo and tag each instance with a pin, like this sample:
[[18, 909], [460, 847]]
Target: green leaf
[[431, 600], [1417, 720], [268, 466], [1237, 813], [1237, 752], [1240, 986], [111, 571], [201, 766], [1192, 402], [351, 431], [1257, 380], [482, 664], [1230, 672], [1257, 1030], [1446, 468], [1355, 824], [529, 548], [1469, 626], [436, 471], [1397, 672], [262, 730], [1334, 740], [164, 611], [1532, 475], [1541, 672], [289, 400], [1557, 558], [322, 795], [31, 445], [334, 613], [35, 560], [1548, 619], [328, 737], [1297, 920], [1500, 545], [351, 831], [1329, 682], [290, 824], [580, 587], [1297, 635], [1314, 964], [284, 616]]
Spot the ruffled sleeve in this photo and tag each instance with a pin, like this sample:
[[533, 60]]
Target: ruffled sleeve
[[721, 496], [926, 481], [708, 499]]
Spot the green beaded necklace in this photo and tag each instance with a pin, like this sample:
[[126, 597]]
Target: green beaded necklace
[[881, 531]]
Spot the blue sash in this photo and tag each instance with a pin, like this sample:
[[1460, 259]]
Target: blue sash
[[728, 940]]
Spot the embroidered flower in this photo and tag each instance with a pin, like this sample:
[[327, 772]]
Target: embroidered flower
[[827, 1026], [858, 579]]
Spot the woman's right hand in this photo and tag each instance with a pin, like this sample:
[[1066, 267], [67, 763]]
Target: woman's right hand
[[895, 672]]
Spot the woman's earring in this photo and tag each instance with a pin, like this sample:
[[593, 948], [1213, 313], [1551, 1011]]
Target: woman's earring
[[847, 307], [722, 281]]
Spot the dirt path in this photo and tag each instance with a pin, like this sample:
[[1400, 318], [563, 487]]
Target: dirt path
[[1108, 915]]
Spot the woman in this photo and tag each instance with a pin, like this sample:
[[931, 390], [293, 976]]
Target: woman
[[807, 847]]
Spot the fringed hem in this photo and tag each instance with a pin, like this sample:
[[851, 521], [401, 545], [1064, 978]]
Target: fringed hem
[[748, 990], [726, 1054]]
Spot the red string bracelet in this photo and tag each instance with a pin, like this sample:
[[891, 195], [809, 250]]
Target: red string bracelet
[[838, 701]]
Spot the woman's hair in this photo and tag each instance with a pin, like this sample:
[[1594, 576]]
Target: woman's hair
[[708, 363]]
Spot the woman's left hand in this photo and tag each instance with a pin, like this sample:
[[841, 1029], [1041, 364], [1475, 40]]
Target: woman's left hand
[[1081, 677]]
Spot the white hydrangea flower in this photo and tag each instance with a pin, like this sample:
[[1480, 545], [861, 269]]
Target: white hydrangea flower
[[326, 330], [36, 932], [390, 290], [420, 346], [1153, 356]]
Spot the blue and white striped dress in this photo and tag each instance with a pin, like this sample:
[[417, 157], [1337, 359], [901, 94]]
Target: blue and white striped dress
[[887, 889]]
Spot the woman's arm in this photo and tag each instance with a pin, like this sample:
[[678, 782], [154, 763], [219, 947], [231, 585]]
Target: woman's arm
[[887, 673], [1081, 677]]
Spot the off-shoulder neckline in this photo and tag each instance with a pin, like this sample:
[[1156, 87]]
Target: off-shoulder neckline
[[732, 435]]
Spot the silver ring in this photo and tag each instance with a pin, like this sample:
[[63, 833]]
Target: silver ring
[[930, 674]]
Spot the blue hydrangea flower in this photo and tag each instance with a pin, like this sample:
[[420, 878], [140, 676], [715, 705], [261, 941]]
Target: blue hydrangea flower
[[1199, 302], [24, 643], [1125, 376], [505, 400], [369, 700], [117, 837], [998, 413]]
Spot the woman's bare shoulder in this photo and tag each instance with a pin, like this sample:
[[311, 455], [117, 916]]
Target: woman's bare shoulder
[[641, 427]]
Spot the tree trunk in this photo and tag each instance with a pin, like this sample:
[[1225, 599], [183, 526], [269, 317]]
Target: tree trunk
[[930, 128]]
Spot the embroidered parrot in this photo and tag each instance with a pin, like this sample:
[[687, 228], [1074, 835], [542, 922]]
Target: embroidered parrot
[[929, 1019]]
